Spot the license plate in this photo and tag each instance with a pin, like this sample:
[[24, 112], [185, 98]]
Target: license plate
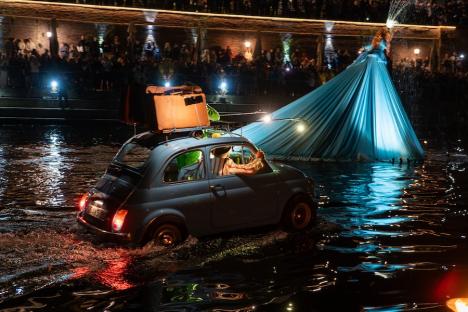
[[96, 212]]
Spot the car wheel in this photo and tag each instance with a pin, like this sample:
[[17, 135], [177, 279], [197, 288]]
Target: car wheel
[[167, 235], [300, 213]]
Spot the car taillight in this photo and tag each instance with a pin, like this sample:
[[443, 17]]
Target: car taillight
[[119, 219], [83, 201]]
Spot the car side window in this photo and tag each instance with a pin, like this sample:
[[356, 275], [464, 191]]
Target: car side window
[[188, 166], [233, 159], [241, 154]]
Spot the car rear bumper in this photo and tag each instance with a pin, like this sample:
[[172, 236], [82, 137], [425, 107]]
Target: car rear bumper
[[124, 237]]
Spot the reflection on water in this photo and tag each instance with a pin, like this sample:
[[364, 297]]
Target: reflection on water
[[401, 243]]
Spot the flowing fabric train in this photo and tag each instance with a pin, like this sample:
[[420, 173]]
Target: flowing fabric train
[[357, 115]]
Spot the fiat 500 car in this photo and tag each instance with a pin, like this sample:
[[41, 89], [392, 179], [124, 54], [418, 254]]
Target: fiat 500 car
[[163, 190]]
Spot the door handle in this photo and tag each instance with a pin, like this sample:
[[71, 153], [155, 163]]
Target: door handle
[[216, 187], [219, 190]]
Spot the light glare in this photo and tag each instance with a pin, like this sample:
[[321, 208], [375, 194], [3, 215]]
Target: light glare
[[267, 118], [458, 304], [223, 85], [300, 127], [391, 23]]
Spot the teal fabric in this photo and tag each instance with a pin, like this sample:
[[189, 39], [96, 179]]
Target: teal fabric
[[357, 115]]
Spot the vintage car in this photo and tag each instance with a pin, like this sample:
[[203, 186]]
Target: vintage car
[[159, 189]]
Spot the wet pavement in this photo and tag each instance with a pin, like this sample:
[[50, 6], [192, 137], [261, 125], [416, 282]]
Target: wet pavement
[[391, 237]]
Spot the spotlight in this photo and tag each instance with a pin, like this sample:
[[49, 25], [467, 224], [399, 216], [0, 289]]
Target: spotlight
[[300, 127], [167, 84], [247, 44], [417, 51], [267, 118], [391, 23], [288, 69], [462, 56], [223, 86], [53, 86], [49, 34]]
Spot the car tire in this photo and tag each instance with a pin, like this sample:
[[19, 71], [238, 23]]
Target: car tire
[[167, 235], [300, 213]]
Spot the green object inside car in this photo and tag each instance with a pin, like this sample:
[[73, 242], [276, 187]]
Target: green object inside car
[[188, 159]]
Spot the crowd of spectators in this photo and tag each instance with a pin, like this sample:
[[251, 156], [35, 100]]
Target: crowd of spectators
[[90, 66], [435, 100], [437, 12]]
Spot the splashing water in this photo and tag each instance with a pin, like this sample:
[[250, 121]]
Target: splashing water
[[397, 11]]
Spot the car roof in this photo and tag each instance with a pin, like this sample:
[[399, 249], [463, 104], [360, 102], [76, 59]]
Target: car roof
[[166, 145]]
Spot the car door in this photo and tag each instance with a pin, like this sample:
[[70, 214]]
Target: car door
[[184, 187], [242, 200]]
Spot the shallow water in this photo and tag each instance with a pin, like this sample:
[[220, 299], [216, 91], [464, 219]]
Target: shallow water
[[390, 238]]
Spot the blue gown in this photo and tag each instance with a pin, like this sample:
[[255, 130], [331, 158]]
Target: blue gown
[[357, 115]]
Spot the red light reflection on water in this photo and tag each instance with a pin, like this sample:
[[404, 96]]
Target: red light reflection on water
[[114, 274], [79, 272]]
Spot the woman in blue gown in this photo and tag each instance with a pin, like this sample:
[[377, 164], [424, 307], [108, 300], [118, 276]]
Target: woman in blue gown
[[357, 115]]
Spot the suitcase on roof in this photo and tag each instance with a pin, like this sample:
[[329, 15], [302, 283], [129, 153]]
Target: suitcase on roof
[[178, 107]]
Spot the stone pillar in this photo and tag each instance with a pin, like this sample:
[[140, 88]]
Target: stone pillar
[[437, 52], [1, 33], [258, 45], [131, 42], [53, 40], [200, 44], [320, 49]]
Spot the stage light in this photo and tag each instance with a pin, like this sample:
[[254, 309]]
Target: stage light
[[288, 69], [247, 44], [425, 142], [417, 51], [267, 118], [54, 86], [167, 84], [300, 127], [329, 26], [391, 23], [223, 86], [49, 34], [462, 56]]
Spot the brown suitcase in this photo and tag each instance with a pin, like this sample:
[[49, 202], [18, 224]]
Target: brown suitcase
[[179, 107]]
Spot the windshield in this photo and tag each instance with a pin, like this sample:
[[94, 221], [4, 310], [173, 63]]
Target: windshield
[[133, 155]]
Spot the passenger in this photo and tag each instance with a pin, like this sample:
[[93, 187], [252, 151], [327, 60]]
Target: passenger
[[223, 165]]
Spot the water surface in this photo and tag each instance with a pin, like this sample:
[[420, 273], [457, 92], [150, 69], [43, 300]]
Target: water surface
[[391, 237]]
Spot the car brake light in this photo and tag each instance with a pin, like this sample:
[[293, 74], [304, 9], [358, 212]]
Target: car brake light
[[119, 219], [83, 201]]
